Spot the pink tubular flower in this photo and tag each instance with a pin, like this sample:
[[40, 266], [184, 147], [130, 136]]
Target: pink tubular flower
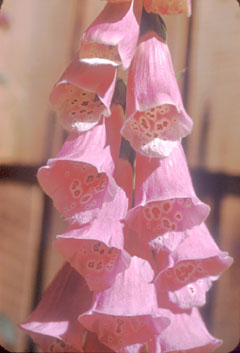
[[108, 36], [84, 93], [196, 257], [156, 119], [80, 178], [53, 325], [185, 263], [164, 197], [187, 333], [169, 7], [119, 317], [192, 267], [96, 250]]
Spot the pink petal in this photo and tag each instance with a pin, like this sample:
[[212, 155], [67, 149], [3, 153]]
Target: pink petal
[[119, 316], [83, 93], [156, 119], [187, 333], [165, 198], [198, 256], [80, 178], [96, 250], [108, 36], [53, 324], [168, 7]]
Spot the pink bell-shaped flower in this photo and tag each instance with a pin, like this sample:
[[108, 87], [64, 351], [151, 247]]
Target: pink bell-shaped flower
[[165, 200], [96, 249], [84, 92], [168, 7], [185, 264], [192, 267], [187, 333], [198, 256], [53, 325], [126, 313], [80, 178], [108, 37], [156, 119]]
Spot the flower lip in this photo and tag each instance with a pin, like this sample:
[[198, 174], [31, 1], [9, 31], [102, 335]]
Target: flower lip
[[98, 61]]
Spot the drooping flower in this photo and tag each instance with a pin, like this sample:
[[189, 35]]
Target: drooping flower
[[198, 256], [126, 313], [185, 264], [108, 36], [192, 267], [96, 249], [80, 178], [84, 92], [187, 333], [165, 200], [169, 7], [156, 119], [53, 325]]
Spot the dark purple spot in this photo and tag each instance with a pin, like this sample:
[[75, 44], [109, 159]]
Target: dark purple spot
[[95, 99], [85, 103]]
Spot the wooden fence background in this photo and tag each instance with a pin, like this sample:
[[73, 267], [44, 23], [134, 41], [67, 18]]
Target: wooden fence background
[[41, 40]]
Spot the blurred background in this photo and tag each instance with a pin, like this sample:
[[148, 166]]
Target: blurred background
[[35, 47]]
